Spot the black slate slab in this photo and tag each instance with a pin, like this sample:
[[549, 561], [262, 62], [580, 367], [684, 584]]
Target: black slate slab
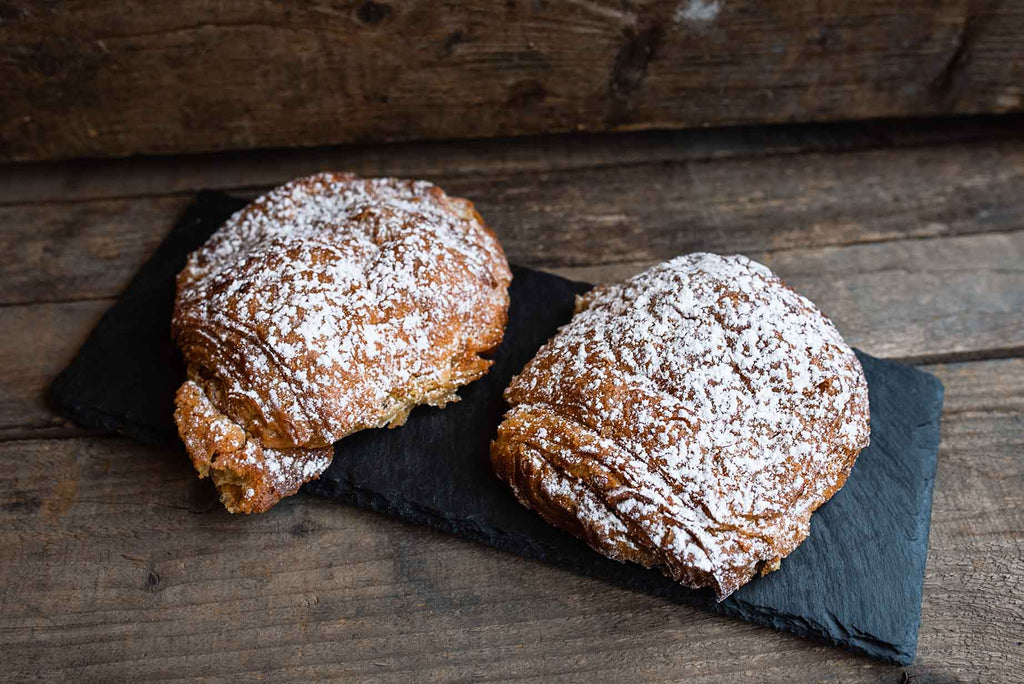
[[855, 582]]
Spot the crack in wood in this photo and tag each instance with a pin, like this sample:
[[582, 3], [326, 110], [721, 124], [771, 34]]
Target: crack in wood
[[956, 62]]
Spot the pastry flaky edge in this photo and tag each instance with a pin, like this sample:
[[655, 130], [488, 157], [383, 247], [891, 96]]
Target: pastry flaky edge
[[330, 305], [690, 419]]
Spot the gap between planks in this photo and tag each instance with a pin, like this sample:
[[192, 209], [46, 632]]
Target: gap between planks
[[591, 216], [253, 170]]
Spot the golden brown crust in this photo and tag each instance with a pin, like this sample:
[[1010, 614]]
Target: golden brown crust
[[691, 418], [251, 478], [330, 305]]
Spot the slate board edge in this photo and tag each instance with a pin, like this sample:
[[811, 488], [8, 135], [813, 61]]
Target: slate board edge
[[528, 548], [927, 438], [194, 217]]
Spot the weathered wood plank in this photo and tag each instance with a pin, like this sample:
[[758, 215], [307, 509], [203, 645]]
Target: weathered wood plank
[[915, 300], [121, 78], [600, 211], [63, 181], [116, 562], [975, 570], [37, 342], [929, 299], [80, 250]]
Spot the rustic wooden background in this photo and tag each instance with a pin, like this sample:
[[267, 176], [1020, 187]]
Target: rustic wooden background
[[117, 564], [89, 78]]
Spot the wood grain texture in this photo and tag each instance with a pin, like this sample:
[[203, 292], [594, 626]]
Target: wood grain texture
[[914, 300], [80, 250], [38, 341], [81, 179], [116, 562], [555, 210], [129, 77], [975, 565], [918, 300]]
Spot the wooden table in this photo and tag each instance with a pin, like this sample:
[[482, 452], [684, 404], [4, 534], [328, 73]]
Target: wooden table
[[116, 563]]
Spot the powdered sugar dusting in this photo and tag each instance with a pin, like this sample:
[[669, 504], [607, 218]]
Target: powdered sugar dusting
[[708, 407], [250, 477], [365, 285], [281, 471], [334, 304]]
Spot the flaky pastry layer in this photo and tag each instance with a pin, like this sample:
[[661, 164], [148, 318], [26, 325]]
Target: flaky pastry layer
[[330, 305]]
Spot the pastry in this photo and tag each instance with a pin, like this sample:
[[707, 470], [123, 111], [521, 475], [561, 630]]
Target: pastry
[[691, 418], [330, 305]]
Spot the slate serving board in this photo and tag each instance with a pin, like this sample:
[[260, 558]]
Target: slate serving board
[[855, 582]]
